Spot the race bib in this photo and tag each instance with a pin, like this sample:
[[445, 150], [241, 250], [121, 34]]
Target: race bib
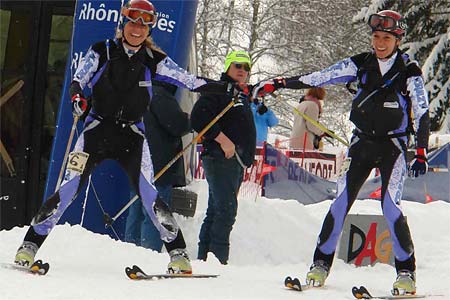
[[77, 161]]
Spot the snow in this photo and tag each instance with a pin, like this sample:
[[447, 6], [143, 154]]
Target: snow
[[270, 240]]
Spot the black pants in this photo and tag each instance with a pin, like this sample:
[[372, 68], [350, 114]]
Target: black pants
[[389, 156], [126, 144]]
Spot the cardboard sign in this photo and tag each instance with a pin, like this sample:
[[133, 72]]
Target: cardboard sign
[[366, 240]]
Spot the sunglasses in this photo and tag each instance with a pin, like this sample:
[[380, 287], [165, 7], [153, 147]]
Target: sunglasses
[[240, 66], [134, 15], [384, 22]]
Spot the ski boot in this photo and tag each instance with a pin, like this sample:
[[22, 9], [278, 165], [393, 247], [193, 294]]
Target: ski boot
[[317, 274], [26, 253], [179, 262], [405, 283]]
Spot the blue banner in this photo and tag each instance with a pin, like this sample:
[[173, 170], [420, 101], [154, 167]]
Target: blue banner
[[96, 21], [291, 181]]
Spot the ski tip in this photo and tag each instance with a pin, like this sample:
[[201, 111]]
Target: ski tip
[[137, 269], [293, 283], [132, 272], [356, 293], [361, 293], [39, 267]]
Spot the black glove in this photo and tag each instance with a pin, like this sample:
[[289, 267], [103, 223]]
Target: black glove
[[316, 141], [419, 165], [79, 105], [262, 109]]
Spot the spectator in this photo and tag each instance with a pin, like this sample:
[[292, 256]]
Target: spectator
[[228, 147], [264, 119], [306, 135], [165, 124]]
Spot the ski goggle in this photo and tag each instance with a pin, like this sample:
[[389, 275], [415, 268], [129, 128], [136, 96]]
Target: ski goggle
[[134, 15], [240, 66], [383, 23]]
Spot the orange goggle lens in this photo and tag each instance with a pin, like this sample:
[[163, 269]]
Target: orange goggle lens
[[145, 17], [382, 22]]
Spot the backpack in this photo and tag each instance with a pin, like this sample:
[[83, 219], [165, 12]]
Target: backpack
[[376, 109]]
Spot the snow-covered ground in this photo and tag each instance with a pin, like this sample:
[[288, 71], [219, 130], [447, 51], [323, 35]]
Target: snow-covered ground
[[271, 239]]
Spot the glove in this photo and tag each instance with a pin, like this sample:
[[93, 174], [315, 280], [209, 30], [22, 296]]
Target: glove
[[316, 141], [262, 109], [263, 88], [326, 134], [419, 165], [79, 105]]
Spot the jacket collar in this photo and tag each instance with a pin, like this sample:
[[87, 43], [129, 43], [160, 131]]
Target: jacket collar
[[225, 77]]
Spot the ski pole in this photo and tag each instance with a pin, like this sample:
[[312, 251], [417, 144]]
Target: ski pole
[[69, 144], [109, 221]]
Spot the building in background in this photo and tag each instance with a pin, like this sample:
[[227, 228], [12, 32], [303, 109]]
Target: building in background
[[34, 46]]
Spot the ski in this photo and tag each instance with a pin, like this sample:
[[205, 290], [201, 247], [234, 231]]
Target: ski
[[136, 273], [37, 268], [295, 284], [362, 293]]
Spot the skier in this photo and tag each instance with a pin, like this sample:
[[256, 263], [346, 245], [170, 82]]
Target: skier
[[390, 86], [228, 147], [119, 72]]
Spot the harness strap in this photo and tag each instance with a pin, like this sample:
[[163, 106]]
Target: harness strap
[[369, 136], [119, 121]]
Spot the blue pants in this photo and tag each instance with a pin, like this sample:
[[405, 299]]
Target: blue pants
[[139, 229], [224, 178]]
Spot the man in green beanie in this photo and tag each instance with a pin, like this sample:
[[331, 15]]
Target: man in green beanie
[[228, 147]]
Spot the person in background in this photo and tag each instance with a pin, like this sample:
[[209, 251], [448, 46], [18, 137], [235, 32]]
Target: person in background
[[120, 74], [390, 104], [228, 147], [304, 134], [264, 119], [165, 124]]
